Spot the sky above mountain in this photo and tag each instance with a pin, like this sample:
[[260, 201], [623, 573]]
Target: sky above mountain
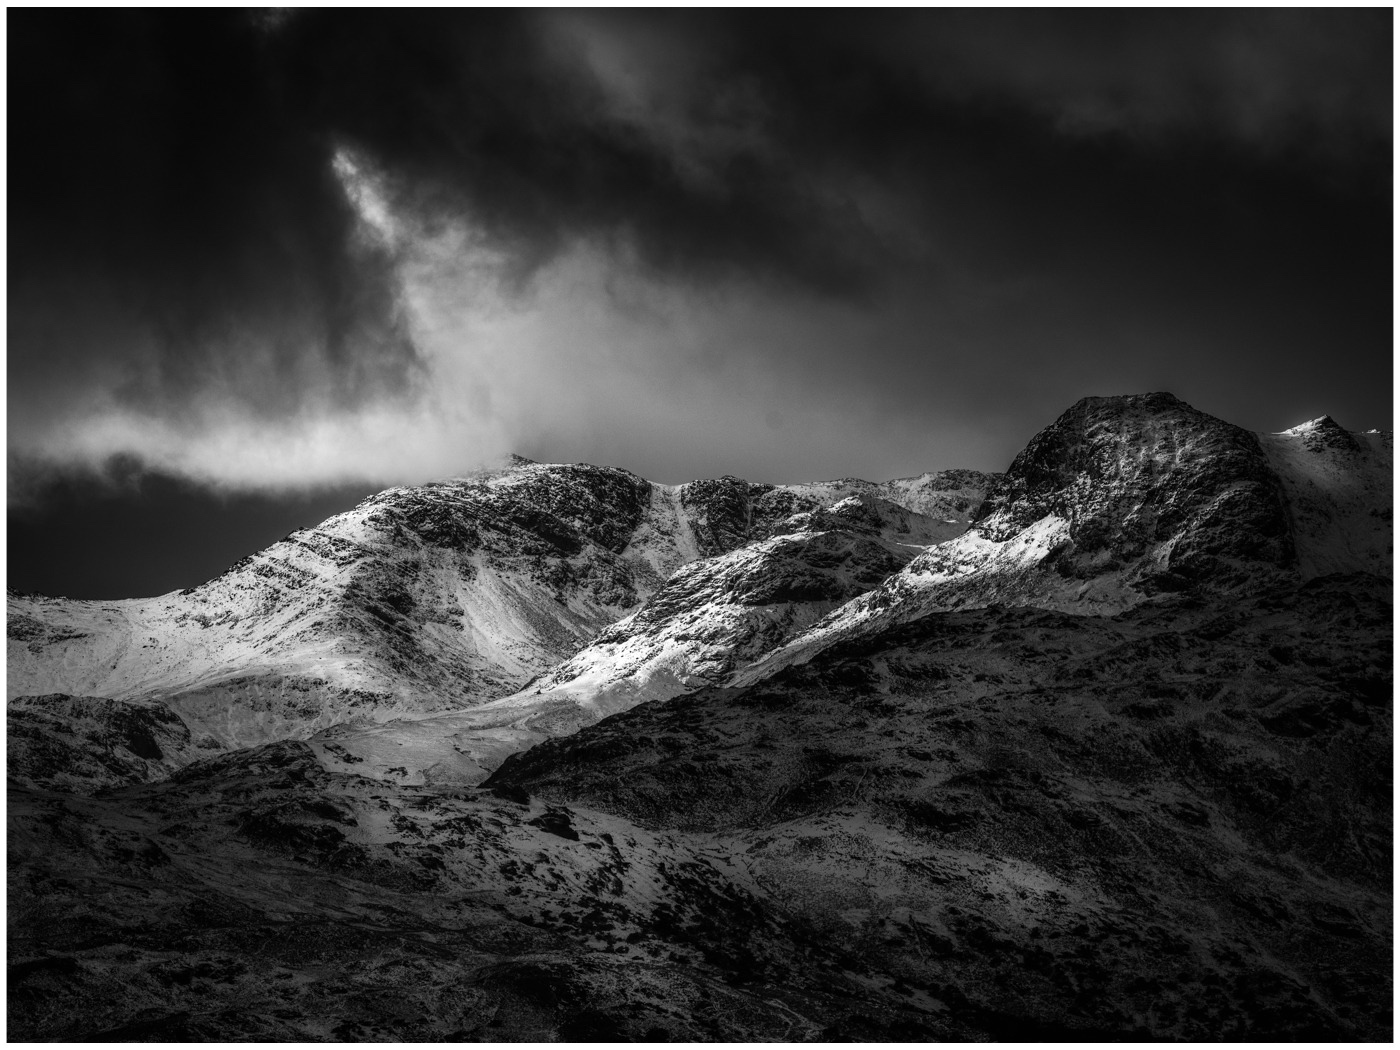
[[261, 261]]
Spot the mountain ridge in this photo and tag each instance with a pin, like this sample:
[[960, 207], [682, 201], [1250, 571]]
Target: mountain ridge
[[419, 599], [1116, 501], [1112, 761]]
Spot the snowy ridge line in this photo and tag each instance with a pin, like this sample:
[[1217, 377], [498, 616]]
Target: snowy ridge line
[[418, 600]]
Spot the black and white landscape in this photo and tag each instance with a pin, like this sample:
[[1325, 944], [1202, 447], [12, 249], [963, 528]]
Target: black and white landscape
[[1095, 748], [1080, 729]]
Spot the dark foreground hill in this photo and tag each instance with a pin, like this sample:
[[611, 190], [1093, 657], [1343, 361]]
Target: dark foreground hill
[[1174, 822]]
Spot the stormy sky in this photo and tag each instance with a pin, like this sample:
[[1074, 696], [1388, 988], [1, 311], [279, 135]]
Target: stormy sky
[[261, 264]]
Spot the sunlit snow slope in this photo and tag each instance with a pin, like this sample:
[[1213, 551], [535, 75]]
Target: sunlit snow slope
[[710, 618], [420, 599]]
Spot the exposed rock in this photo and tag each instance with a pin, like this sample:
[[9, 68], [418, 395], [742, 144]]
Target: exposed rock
[[709, 618], [422, 599], [1130, 826], [1147, 482], [1121, 500], [81, 743], [256, 896], [1113, 764]]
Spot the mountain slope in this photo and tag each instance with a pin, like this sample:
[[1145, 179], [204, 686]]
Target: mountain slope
[[1118, 502], [1174, 822], [258, 896], [1115, 764], [997, 823], [1338, 486], [417, 599], [421, 599], [726, 611], [708, 618], [78, 743], [1126, 498]]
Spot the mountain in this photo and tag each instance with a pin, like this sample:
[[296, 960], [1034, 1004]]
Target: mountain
[[1105, 756], [1338, 489], [1169, 823], [1124, 499], [1114, 764], [1118, 502], [709, 618], [421, 599], [79, 743]]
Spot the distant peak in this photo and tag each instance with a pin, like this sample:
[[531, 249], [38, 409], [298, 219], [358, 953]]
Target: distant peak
[[514, 459], [1323, 433], [1312, 426]]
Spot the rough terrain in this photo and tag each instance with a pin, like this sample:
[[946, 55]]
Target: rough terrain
[[1106, 755], [423, 599]]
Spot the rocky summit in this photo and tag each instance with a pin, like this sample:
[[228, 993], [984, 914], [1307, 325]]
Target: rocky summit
[[1097, 748]]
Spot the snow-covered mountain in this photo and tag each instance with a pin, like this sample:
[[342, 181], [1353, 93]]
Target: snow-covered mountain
[[709, 619], [1125, 498], [714, 616], [1106, 755], [1338, 487], [1119, 501], [421, 599]]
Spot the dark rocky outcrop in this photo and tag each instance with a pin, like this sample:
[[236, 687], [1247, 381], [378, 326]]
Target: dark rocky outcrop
[[728, 512], [83, 743], [1171, 823], [1131, 474]]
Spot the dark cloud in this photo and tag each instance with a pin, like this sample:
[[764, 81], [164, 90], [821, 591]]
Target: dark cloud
[[1271, 80], [174, 179], [499, 117], [281, 251], [723, 143], [174, 219]]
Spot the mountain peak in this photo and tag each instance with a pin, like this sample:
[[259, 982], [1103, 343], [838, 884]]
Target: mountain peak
[[1142, 476], [1324, 431], [1157, 400], [1313, 425]]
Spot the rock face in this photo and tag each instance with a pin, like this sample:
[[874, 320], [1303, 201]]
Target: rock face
[[1151, 485], [729, 512], [81, 743], [710, 618], [1114, 762], [1124, 499], [421, 599]]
